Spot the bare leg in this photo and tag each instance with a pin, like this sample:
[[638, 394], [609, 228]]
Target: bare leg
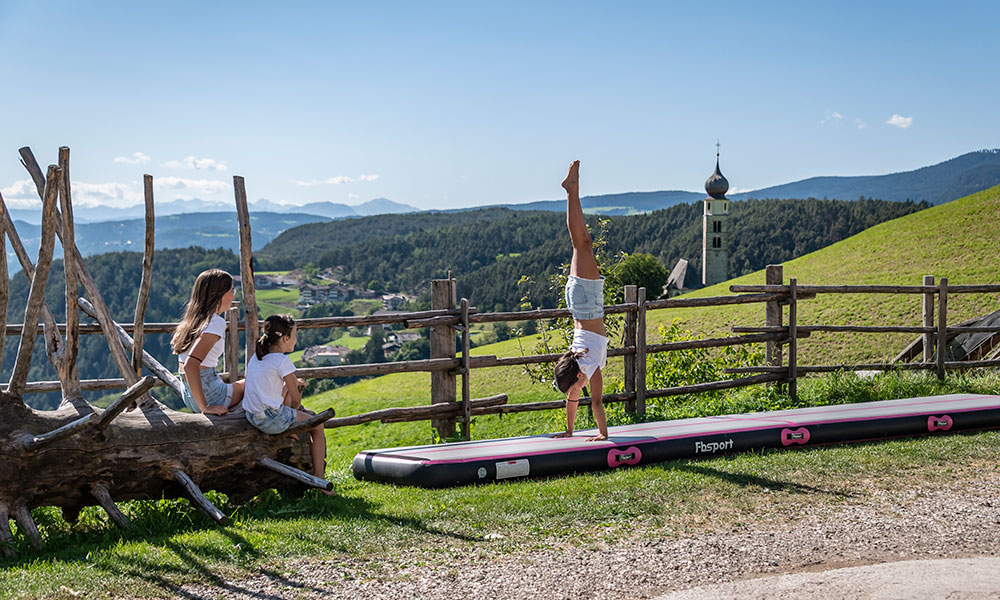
[[237, 393], [317, 448], [583, 265]]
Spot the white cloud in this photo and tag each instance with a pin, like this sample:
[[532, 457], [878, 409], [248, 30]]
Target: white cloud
[[20, 194], [338, 180], [192, 162], [900, 121], [353, 196], [831, 117], [861, 124], [138, 158], [23, 194], [108, 194], [201, 186]]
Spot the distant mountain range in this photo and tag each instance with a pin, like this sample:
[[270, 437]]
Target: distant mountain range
[[330, 210], [183, 223], [937, 184], [208, 230]]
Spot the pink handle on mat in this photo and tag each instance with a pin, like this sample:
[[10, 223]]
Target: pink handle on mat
[[629, 456], [942, 423], [794, 436]]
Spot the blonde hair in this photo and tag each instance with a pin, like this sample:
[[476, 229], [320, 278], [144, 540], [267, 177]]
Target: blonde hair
[[208, 290]]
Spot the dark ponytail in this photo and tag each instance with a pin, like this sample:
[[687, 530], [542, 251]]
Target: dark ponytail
[[275, 328], [567, 370]]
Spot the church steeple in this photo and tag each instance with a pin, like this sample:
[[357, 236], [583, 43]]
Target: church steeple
[[717, 185], [715, 229]]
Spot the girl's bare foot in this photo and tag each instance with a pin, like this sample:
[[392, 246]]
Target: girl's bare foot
[[572, 182]]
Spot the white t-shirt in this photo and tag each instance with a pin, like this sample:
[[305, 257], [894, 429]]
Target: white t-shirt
[[216, 326], [596, 347], [264, 381]]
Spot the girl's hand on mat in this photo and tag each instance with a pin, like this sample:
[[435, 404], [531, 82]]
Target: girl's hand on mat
[[564, 434], [216, 409], [600, 437]]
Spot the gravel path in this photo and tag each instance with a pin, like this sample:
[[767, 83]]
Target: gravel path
[[960, 521]]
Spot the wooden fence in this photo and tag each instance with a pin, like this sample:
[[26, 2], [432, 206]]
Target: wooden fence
[[450, 406]]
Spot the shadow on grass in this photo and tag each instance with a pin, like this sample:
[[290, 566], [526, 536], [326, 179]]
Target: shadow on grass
[[745, 480], [206, 563]]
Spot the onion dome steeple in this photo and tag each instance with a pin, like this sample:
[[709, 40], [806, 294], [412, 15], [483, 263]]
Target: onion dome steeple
[[717, 185]]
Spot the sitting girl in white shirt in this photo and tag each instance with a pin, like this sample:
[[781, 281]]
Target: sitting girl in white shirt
[[271, 398]]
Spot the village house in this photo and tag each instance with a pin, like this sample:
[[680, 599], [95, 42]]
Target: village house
[[323, 356]]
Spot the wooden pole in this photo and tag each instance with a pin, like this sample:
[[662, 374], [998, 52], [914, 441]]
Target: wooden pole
[[928, 313], [792, 339], [629, 341], [942, 334], [296, 474], [246, 267], [640, 353], [22, 515], [232, 358], [36, 294], [6, 537], [100, 493], [442, 340], [64, 358], [466, 374], [772, 315], [198, 498], [4, 283], [147, 274]]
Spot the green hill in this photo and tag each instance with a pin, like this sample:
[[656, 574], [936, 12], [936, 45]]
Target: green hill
[[956, 240]]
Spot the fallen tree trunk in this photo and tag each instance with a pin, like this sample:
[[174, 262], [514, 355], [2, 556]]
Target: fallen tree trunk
[[79, 455]]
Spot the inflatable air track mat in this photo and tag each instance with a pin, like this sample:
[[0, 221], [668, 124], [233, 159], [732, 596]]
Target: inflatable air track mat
[[461, 463]]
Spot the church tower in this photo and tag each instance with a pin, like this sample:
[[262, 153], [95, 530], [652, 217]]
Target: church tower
[[715, 228]]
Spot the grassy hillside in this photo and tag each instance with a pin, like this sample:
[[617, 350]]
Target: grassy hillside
[[956, 240]]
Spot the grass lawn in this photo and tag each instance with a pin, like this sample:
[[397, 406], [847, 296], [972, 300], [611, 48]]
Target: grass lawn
[[361, 306], [173, 543]]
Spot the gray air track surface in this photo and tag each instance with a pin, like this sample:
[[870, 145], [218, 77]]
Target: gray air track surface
[[462, 463]]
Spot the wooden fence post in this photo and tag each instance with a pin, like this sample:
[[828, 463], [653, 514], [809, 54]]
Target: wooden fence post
[[232, 356], [942, 333], [630, 340], [443, 346], [773, 275], [928, 306], [246, 266], [640, 353], [466, 372], [792, 339]]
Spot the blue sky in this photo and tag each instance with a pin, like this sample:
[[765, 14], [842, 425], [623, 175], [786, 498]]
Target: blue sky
[[451, 104]]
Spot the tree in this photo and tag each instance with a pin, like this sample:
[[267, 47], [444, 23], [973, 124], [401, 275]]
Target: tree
[[643, 270]]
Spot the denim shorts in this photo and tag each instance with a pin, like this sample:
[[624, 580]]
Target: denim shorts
[[273, 419], [217, 392], [585, 297]]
